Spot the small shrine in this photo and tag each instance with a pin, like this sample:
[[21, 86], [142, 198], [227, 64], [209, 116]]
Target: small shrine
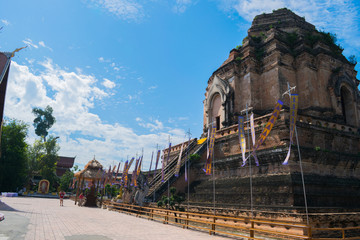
[[89, 177], [44, 186]]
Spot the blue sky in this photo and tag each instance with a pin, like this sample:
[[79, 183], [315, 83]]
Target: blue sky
[[123, 75]]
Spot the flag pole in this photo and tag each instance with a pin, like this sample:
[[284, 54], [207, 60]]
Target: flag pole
[[250, 167], [187, 174], [300, 162], [213, 169], [167, 163], [157, 146], [213, 166]]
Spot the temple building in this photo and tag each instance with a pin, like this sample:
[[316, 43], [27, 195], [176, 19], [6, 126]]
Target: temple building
[[64, 164], [281, 52], [5, 60]]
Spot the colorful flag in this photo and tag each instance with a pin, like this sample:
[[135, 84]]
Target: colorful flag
[[242, 140], [294, 102], [134, 177], [252, 128], [157, 161], [126, 172], [207, 142], [117, 172], [187, 159], [201, 141], [131, 161], [152, 156], [168, 156], [139, 167], [186, 163], [162, 167], [123, 173], [269, 125], [275, 114], [178, 164], [210, 150]]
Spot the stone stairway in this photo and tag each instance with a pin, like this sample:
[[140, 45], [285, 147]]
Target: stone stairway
[[156, 185]]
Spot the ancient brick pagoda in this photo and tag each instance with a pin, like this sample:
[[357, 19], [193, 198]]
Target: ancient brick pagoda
[[282, 48]]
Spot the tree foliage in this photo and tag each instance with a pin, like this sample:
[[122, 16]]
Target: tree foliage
[[43, 121], [66, 180], [352, 59], [13, 161], [48, 159], [42, 159], [173, 202], [111, 191]]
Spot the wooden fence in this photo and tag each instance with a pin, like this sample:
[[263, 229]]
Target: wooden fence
[[238, 227]]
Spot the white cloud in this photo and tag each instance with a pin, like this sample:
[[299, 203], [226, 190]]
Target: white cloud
[[340, 17], [124, 9], [30, 43], [183, 118], [181, 5], [73, 95], [30, 61], [42, 44], [108, 84], [153, 126], [177, 119], [101, 59], [152, 87], [5, 22]]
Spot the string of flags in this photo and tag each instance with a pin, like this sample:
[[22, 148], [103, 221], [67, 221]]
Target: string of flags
[[107, 177]]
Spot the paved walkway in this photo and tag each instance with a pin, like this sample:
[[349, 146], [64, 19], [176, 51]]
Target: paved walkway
[[39, 219]]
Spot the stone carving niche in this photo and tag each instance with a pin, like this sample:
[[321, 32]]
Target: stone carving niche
[[217, 103]]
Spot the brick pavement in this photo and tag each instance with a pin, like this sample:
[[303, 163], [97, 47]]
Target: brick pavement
[[40, 219]]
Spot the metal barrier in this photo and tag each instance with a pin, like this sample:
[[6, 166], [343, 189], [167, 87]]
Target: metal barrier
[[242, 227]]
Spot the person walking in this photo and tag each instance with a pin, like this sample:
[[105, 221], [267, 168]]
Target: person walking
[[61, 195], [81, 199]]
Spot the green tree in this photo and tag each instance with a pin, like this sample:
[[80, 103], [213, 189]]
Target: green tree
[[47, 160], [43, 121], [13, 161], [35, 152], [66, 180], [194, 157], [173, 202], [352, 59], [75, 169], [42, 159], [111, 191]]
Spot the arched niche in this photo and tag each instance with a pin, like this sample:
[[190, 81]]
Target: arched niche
[[345, 97], [348, 106], [217, 103], [216, 110]]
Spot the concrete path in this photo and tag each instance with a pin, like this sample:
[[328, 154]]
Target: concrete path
[[40, 219]]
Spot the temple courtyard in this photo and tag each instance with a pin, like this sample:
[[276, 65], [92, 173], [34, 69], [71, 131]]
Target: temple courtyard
[[43, 218]]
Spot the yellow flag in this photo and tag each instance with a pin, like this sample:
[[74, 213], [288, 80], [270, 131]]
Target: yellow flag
[[201, 141]]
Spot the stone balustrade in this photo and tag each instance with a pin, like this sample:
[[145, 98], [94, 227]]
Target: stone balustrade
[[261, 121]]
